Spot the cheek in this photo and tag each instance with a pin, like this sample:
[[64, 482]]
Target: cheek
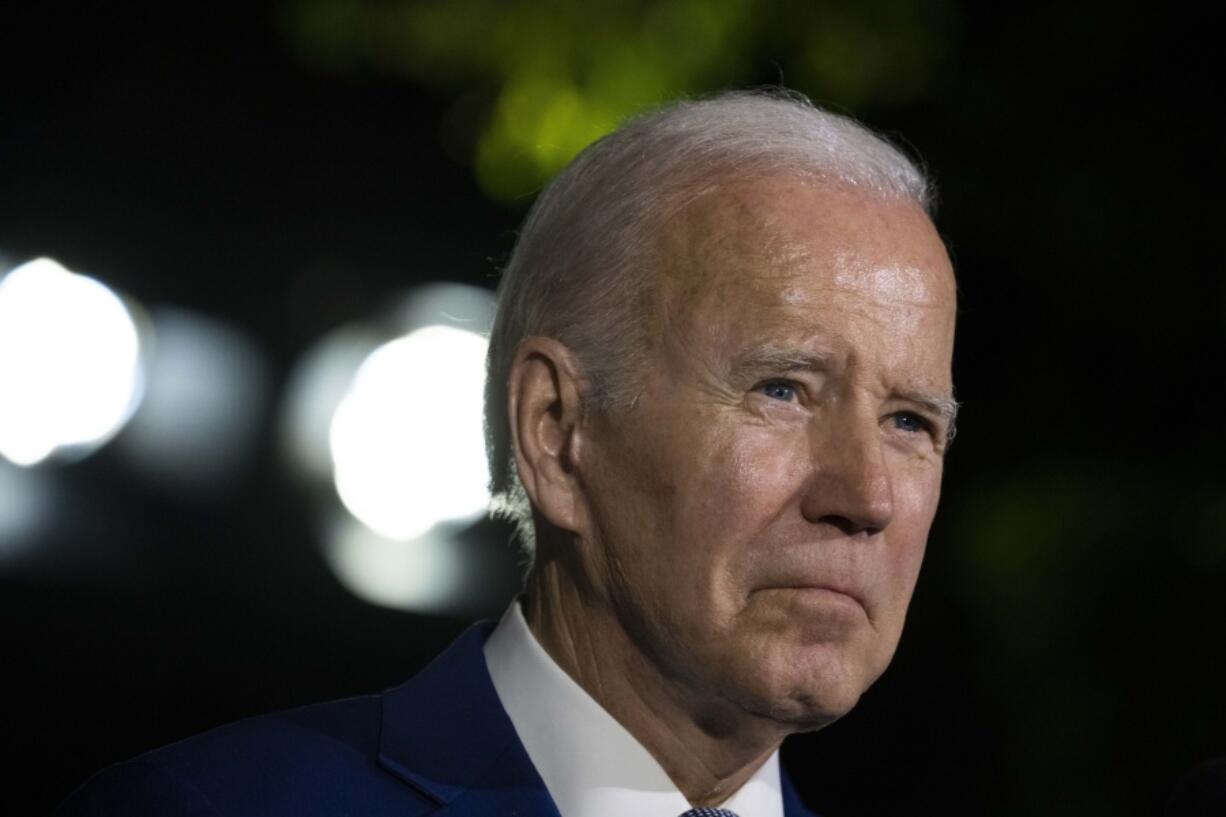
[[743, 479], [681, 506], [746, 482]]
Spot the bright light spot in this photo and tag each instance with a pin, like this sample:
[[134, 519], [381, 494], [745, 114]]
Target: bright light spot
[[406, 441], [395, 427], [69, 362], [316, 386], [427, 574]]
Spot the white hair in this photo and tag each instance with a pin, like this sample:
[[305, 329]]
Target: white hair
[[582, 272]]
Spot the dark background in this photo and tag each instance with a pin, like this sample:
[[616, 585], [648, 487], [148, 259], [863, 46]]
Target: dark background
[[1065, 651]]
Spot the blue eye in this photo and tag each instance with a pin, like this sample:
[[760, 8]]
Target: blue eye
[[779, 390], [911, 422]]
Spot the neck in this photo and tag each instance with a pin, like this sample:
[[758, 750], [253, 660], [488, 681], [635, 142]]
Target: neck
[[709, 748]]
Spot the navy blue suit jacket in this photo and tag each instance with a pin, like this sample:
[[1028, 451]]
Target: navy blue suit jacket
[[440, 744]]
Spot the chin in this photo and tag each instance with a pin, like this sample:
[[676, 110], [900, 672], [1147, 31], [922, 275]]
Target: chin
[[814, 709], [809, 691]]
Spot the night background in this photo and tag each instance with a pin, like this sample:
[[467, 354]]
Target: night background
[[254, 179]]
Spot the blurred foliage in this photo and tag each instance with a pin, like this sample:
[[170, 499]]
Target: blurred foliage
[[534, 81]]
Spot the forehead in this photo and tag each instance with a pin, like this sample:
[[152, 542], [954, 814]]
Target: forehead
[[767, 230], [791, 258]]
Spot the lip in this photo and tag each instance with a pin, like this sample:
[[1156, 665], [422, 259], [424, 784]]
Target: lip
[[848, 593]]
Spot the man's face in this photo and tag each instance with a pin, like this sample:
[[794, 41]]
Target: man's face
[[759, 516]]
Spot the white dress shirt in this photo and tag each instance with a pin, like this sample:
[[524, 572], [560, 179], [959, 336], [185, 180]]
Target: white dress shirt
[[591, 765]]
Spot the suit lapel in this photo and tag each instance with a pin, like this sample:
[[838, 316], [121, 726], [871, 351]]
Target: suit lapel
[[445, 733]]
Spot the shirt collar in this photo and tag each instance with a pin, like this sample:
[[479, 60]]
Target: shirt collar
[[591, 765]]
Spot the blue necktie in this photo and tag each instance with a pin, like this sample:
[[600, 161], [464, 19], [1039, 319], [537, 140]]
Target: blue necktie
[[709, 812]]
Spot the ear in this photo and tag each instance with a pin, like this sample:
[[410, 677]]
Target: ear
[[544, 404]]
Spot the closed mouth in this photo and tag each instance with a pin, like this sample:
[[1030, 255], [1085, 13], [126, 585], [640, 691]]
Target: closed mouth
[[824, 588]]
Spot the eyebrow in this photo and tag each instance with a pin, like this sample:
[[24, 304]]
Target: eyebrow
[[776, 359]]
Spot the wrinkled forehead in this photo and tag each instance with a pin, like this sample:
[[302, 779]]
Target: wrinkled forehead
[[759, 238]]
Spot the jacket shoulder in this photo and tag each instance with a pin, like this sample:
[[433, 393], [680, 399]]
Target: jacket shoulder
[[317, 760]]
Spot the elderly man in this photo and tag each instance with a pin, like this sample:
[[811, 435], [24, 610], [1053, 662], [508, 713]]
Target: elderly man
[[718, 406]]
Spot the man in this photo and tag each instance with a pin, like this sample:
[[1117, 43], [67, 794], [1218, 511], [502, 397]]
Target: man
[[719, 400]]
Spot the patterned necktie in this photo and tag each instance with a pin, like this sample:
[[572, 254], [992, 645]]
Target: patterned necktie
[[709, 812]]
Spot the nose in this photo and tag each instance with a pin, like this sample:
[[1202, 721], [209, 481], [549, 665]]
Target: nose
[[850, 486]]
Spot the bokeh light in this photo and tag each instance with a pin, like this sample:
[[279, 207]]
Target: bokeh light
[[385, 418], [204, 399], [317, 384], [70, 362], [406, 440], [26, 506], [428, 574]]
